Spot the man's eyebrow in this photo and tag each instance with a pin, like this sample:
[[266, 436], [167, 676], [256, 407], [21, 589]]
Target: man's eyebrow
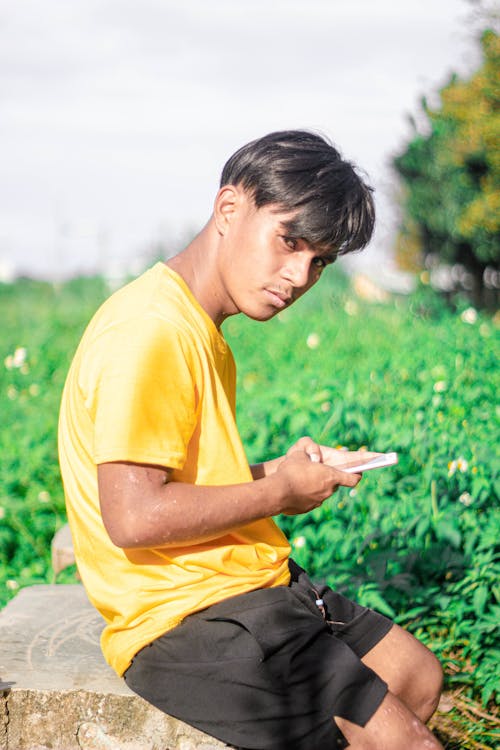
[[287, 227]]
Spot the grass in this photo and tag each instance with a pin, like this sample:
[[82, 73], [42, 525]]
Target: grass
[[418, 541]]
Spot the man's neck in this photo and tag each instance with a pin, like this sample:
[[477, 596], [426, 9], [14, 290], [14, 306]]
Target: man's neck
[[197, 264]]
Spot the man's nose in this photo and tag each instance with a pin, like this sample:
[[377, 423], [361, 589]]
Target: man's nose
[[298, 270]]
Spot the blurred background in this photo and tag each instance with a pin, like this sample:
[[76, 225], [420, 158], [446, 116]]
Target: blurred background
[[116, 117]]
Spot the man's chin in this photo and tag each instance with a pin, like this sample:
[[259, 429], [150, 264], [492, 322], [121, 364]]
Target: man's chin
[[261, 315]]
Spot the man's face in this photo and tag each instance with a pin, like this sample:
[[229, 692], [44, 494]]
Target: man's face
[[263, 270]]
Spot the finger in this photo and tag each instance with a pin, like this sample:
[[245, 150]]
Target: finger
[[310, 447], [363, 455], [347, 480]]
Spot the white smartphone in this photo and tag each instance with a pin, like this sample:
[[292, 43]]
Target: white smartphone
[[356, 467]]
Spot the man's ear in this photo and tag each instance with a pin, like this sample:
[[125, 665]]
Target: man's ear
[[226, 204]]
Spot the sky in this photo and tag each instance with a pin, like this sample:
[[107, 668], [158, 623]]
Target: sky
[[116, 116]]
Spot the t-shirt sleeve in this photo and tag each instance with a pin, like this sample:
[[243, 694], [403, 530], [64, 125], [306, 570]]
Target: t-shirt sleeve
[[142, 394]]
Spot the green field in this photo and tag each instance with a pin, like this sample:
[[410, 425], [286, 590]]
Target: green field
[[418, 541]]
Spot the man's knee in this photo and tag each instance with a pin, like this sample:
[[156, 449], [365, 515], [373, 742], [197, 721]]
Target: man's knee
[[392, 727], [410, 669], [431, 686], [425, 685]]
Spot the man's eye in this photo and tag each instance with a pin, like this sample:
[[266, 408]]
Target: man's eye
[[320, 263], [291, 242]]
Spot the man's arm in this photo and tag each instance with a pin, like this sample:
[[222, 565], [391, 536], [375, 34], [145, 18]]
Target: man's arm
[[142, 507]]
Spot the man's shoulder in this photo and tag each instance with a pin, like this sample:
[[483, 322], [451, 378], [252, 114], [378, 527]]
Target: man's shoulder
[[150, 304]]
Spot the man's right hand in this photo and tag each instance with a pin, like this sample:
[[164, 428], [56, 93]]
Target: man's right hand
[[307, 484]]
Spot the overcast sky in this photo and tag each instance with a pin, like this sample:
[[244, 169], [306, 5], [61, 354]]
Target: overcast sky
[[116, 116]]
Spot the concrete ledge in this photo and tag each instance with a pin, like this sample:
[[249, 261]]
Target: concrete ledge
[[57, 692]]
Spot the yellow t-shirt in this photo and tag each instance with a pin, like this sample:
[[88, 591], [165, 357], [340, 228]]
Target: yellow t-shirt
[[153, 381]]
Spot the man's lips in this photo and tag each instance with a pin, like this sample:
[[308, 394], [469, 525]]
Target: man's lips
[[278, 299]]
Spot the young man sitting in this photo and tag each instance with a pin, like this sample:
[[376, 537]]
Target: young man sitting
[[207, 616]]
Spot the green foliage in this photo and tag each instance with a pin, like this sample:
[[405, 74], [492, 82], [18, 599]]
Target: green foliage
[[418, 541], [451, 201], [41, 327]]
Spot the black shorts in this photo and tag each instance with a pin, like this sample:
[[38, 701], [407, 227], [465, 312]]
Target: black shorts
[[267, 670]]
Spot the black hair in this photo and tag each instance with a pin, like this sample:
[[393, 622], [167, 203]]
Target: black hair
[[302, 172]]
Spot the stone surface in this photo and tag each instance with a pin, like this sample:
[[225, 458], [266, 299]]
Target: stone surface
[[57, 691]]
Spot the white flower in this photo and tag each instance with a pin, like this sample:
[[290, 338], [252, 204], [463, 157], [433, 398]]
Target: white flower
[[11, 392], [466, 499], [469, 316], [440, 386], [11, 584], [17, 359], [299, 542], [44, 496], [313, 341], [20, 356], [459, 464]]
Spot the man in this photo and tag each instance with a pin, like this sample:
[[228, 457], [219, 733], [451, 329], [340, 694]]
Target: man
[[207, 617]]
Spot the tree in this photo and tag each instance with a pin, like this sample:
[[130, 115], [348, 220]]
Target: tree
[[450, 175]]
